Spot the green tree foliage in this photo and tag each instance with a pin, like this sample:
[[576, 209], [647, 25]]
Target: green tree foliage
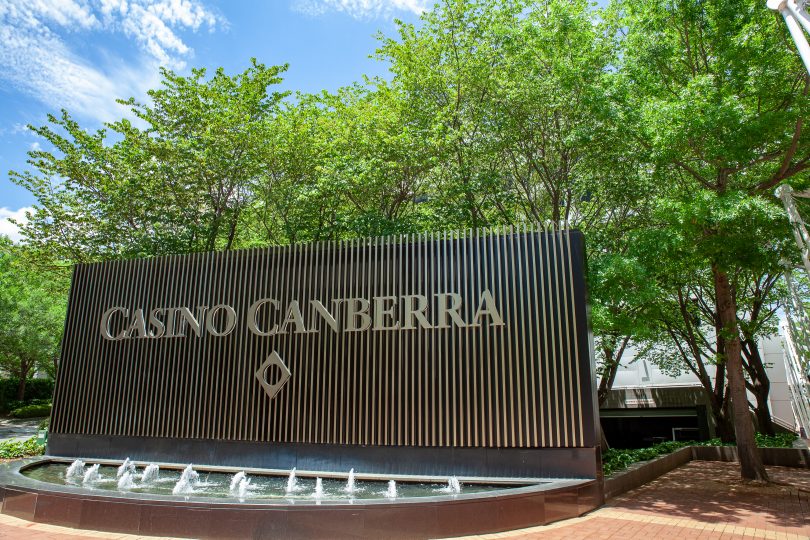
[[32, 314], [181, 183], [510, 97], [378, 166], [293, 201], [343, 165]]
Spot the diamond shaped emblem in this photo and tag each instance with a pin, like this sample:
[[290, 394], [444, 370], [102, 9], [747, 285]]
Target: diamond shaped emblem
[[271, 389]]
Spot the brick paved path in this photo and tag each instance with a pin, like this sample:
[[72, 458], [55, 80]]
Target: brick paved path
[[702, 499]]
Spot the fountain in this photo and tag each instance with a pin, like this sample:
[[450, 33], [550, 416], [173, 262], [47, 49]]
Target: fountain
[[453, 486], [318, 489], [236, 481], [292, 483], [391, 493], [150, 474], [350, 488], [75, 472], [126, 482], [242, 489], [126, 466], [187, 481], [265, 485], [264, 489], [91, 475]]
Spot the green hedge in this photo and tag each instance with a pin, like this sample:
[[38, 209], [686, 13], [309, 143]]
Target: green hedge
[[18, 449], [34, 410], [35, 389], [616, 459], [780, 440]]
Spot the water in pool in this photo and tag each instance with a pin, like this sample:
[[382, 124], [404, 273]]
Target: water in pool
[[129, 478]]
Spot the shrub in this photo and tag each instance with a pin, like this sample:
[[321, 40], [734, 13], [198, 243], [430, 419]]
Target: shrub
[[14, 404], [35, 389], [45, 424], [615, 459], [18, 449], [32, 411], [780, 440]]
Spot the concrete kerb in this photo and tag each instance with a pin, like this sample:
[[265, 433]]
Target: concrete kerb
[[643, 472]]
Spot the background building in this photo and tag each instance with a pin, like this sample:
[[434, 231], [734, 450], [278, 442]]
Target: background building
[[647, 405]]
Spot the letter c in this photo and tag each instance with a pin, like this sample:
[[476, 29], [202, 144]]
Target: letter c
[[105, 323], [251, 319]]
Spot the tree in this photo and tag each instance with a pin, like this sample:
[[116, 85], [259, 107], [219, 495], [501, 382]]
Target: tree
[[716, 99], [757, 318], [686, 340], [380, 166], [32, 312], [180, 184], [621, 289], [293, 198], [511, 98], [446, 72]]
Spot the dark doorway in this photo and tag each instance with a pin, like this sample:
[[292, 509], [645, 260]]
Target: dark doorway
[[640, 428]]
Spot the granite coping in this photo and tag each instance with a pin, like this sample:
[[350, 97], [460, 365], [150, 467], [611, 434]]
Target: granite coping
[[11, 476]]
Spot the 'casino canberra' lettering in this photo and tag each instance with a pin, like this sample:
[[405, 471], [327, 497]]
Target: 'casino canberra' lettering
[[269, 317]]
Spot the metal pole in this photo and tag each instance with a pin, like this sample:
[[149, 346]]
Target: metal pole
[[793, 19], [785, 192]]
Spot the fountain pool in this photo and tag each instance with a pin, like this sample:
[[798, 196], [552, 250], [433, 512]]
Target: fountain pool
[[210, 502], [257, 486]]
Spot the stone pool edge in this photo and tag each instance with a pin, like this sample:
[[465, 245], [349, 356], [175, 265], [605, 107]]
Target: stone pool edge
[[423, 517]]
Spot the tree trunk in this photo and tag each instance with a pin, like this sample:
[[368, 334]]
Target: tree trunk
[[21, 388], [613, 360], [605, 384], [717, 394], [759, 385], [751, 466], [722, 420], [763, 410]]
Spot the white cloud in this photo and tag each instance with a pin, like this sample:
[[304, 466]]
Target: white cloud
[[63, 12], [361, 9], [151, 23], [16, 129], [42, 66], [35, 57], [10, 229]]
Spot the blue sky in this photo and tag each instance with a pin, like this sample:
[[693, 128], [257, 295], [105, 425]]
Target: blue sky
[[81, 54]]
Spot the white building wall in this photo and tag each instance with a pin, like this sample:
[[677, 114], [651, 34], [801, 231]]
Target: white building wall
[[644, 374], [773, 354], [640, 374]]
